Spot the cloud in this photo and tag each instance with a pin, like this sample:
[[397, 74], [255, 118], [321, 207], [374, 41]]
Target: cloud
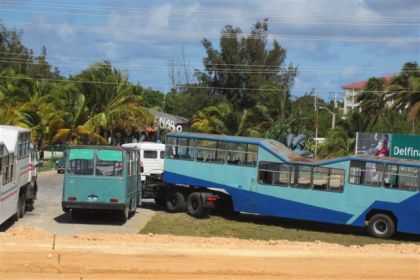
[[154, 31], [66, 33]]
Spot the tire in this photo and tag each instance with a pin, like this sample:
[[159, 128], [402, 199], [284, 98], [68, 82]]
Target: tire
[[195, 207], [30, 205], [175, 202], [77, 214], [160, 202], [133, 208], [123, 215], [22, 205], [381, 226]]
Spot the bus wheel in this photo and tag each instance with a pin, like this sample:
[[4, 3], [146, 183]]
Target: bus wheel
[[77, 214], [381, 226], [175, 202], [22, 205], [195, 206], [124, 214], [30, 205]]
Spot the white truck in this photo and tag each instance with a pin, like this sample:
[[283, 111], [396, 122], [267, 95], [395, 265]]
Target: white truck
[[18, 178]]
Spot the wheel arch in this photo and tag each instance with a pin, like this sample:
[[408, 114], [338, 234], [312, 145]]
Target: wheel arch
[[389, 213]]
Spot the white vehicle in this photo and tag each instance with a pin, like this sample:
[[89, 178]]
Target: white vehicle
[[18, 185], [152, 156]]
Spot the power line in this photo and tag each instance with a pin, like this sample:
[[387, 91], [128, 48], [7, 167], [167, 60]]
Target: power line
[[182, 18], [243, 70], [182, 34], [201, 13], [200, 64], [166, 85]]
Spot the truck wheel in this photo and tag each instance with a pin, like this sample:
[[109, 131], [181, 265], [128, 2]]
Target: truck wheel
[[22, 205], [160, 202], [381, 226], [175, 202], [195, 206]]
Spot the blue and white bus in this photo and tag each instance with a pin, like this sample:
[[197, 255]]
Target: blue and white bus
[[262, 176]]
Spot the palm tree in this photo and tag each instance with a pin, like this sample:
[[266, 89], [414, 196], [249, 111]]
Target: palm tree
[[276, 100], [373, 102], [226, 119], [74, 129], [337, 143], [404, 90], [99, 103]]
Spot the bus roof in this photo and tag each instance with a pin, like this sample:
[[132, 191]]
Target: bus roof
[[98, 147], [9, 135], [13, 128], [286, 155]]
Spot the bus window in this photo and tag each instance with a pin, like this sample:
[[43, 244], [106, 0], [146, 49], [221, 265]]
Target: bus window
[[81, 162], [170, 147], [181, 148], [5, 170], [251, 155], [185, 148], [301, 175], [236, 153], [366, 173], [336, 180], [409, 177], [11, 161], [211, 151], [162, 154], [271, 173], [109, 163], [242, 154], [401, 177], [320, 178], [150, 154]]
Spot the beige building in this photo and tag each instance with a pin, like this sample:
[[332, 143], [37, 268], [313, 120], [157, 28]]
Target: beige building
[[351, 91]]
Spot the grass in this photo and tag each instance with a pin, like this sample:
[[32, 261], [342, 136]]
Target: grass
[[260, 228], [46, 165]]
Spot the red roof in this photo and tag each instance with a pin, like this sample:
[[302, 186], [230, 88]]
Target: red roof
[[360, 85]]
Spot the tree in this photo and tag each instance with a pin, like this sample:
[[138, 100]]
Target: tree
[[244, 64], [404, 90], [228, 120], [337, 143], [373, 102], [14, 55], [114, 104]]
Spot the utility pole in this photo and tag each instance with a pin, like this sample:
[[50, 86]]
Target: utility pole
[[164, 102], [316, 124]]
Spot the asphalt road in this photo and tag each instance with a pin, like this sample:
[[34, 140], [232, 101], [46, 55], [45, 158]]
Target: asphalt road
[[48, 214]]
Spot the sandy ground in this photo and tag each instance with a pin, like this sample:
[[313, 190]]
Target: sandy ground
[[27, 253]]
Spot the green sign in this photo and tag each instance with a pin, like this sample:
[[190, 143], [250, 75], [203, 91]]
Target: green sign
[[405, 146]]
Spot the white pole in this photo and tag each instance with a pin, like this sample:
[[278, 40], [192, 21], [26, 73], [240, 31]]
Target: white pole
[[316, 124]]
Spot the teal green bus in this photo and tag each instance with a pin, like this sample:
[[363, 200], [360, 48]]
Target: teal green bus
[[102, 178]]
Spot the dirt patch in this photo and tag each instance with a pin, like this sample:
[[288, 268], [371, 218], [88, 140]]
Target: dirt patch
[[27, 253]]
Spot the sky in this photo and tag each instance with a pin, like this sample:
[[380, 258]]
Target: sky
[[332, 42]]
